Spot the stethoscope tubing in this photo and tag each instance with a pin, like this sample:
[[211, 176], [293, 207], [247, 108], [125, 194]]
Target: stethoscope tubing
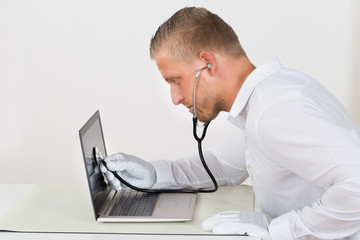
[[201, 190]]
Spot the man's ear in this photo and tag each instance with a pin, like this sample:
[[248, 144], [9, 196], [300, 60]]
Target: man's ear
[[208, 58]]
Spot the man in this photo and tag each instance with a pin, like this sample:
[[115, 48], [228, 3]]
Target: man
[[298, 144]]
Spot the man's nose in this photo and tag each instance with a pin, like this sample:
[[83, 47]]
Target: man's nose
[[176, 96]]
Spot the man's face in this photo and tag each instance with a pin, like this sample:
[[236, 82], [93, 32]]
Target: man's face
[[181, 78]]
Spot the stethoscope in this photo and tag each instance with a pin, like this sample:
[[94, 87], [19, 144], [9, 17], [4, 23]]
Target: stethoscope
[[199, 140]]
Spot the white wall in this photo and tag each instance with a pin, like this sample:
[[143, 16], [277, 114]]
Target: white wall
[[62, 60]]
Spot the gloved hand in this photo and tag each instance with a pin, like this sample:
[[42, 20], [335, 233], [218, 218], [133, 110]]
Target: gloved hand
[[134, 170], [97, 182], [255, 224]]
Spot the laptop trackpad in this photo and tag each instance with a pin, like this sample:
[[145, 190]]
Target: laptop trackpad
[[175, 202]]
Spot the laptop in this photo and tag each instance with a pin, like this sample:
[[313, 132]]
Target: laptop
[[126, 205]]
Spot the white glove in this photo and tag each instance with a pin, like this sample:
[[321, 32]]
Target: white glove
[[255, 224], [97, 182], [134, 170]]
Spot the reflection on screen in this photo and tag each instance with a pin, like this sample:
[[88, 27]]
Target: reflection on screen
[[93, 138]]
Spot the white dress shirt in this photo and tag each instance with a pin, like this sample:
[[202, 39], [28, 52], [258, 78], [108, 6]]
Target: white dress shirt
[[301, 149]]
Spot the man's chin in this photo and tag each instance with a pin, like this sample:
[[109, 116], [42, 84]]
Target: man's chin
[[207, 119]]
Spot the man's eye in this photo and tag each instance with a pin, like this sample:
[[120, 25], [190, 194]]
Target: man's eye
[[175, 81]]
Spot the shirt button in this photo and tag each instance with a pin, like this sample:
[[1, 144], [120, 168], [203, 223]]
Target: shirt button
[[248, 166]]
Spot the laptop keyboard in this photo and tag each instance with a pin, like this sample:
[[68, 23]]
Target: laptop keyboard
[[133, 203]]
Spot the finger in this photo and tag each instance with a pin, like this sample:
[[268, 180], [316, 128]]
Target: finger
[[230, 227], [115, 157], [238, 227], [115, 185], [117, 165], [90, 169], [109, 176], [229, 215], [97, 170], [134, 180], [116, 162], [224, 215], [103, 169], [210, 223], [95, 178]]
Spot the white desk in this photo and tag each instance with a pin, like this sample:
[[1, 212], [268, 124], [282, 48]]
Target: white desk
[[14, 197]]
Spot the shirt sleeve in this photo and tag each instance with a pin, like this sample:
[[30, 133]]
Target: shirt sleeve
[[226, 162], [320, 144]]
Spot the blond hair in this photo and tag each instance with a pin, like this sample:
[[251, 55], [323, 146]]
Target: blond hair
[[192, 30]]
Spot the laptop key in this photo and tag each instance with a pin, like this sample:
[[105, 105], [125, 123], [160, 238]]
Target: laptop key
[[129, 203], [143, 204], [133, 203], [120, 203], [136, 205], [151, 205]]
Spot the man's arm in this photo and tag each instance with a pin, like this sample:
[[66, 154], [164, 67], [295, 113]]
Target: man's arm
[[226, 162]]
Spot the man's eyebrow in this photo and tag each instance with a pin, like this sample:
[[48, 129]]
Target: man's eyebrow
[[171, 77]]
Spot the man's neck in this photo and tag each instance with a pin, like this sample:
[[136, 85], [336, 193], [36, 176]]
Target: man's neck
[[237, 70]]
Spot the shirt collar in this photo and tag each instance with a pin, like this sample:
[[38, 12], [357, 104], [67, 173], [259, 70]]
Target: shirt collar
[[260, 73]]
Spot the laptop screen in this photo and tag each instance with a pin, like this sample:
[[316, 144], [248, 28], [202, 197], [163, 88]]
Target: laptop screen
[[91, 135]]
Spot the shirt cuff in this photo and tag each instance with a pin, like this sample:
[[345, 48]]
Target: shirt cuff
[[279, 228]]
